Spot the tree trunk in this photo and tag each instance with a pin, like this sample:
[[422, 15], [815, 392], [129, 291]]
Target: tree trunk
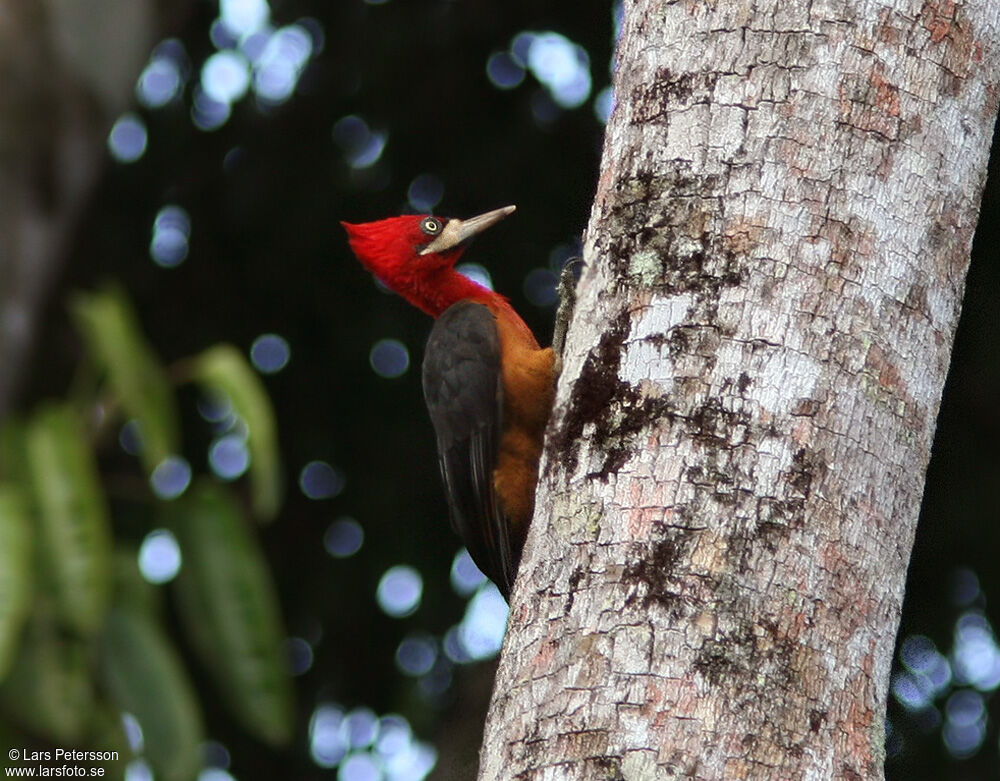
[[733, 471]]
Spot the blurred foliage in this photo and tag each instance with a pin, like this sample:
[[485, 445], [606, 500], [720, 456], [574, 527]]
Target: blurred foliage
[[225, 373], [110, 329], [83, 637], [229, 607], [221, 235]]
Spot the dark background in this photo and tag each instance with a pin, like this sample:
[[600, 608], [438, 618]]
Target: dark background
[[265, 192]]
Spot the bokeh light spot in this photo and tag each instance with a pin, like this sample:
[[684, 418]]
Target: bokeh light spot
[[975, 655], [436, 682], [316, 33], [389, 358], [361, 146], [159, 556], [319, 480], [130, 437], [965, 706], [254, 45], [425, 192], [293, 43], [359, 767], [327, 744], [229, 456], [225, 76], [520, 46], [159, 83], [171, 477], [222, 36], [394, 736], [912, 691], [242, 17], [453, 647], [965, 723], [477, 273], [965, 587], [280, 63], [360, 726], [416, 654], [127, 139], [298, 655], [207, 113], [168, 247], [562, 66], [214, 408], [920, 656], [504, 71], [216, 755], [465, 575], [269, 353], [484, 624], [343, 538], [399, 591], [133, 732], [413, 763], [171, 230], [604, 103]]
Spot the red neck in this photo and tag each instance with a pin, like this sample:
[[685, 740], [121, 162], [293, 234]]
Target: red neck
[[435, 292]]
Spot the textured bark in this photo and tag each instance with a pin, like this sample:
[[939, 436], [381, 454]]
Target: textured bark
[[774, 268], [66, 69]]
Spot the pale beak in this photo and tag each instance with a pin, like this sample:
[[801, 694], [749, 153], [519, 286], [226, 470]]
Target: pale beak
[[457, 231]]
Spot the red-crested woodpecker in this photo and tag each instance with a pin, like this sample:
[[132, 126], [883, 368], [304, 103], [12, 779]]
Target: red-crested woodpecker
[[488, 385]]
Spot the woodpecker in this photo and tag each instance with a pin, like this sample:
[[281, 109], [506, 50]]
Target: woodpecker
[[488, 385]]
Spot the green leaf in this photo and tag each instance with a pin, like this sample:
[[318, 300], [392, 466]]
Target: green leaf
[[228, 605], [74, 532], [113, 336], [145, 677], [48, 690], [224, 371], [15, 572]]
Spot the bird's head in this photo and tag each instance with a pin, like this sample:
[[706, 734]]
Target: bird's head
[[414, 254]]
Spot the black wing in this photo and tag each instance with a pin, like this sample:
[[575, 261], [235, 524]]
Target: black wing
[[464, 396]]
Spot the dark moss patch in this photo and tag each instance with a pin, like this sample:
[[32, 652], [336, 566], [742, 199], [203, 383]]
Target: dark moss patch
[[806, 467], [609, 767], [615, 439], [715, 426], [598, 392], [735, 654], [594, 392], [574, 583], [655, 571], [670, 91], [676, 213], [716, 663]]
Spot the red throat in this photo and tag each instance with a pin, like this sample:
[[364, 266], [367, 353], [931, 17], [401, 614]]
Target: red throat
[[436, 291], [389, 249]]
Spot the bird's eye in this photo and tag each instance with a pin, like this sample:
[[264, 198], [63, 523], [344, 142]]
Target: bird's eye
[[431, 226]]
